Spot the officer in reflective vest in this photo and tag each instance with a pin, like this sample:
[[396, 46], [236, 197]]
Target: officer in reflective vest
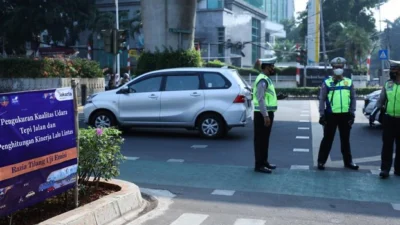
[[390, 99], [265, 104], [337, 104]]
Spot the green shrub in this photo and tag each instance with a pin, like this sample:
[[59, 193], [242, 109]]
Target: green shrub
[[168, 58], [99, 154], [288, 71], [49, 67]]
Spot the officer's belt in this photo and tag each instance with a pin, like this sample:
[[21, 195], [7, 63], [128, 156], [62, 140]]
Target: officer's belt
[[267, 108]]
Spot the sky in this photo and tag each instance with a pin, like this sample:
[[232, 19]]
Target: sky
[[389, 10]]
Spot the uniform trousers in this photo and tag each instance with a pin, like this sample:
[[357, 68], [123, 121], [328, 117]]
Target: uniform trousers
[[391, 134], [261, 138], [333, 121]]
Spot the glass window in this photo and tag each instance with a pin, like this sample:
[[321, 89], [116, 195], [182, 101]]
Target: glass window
[[215, 4], [255, 36], [214, 80], [221, 47], [182, 83], [148, 85]]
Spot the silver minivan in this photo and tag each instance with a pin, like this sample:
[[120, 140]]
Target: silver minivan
[[211, 100]]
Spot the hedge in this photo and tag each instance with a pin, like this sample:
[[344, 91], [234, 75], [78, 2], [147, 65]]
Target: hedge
[[314, 91], [246, 71], [168, 58], [49, 67]]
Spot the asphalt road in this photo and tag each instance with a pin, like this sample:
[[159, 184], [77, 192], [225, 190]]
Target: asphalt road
[[212, 181]]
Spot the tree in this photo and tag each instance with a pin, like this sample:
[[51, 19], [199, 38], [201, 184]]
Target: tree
[[285, 51], [292, 31], [178, 15], [338, 13], [24, 20]]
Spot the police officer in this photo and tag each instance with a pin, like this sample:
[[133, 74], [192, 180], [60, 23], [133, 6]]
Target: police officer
[[265, 104], [390, 99], [337, 104]]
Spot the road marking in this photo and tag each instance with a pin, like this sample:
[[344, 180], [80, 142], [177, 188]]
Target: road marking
[[175, 160], [304, 121], [190, 218], [301, 150], [249, 222], [305, 111], [396, 206], [223, 192], [378, 171], [299, 167], [302, 137], [199, 146], [131, 158], [305, 115], [303, 128], [366, 159]]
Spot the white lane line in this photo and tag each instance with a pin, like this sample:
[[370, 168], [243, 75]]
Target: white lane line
[[175, 160], [396, 206], [301, 150], [377, 172], [303, 128], [190, 218], [131, 158], [299, 167], [302, 137], [304, 121], [199, 146], [223, 192], [249, 222], [305, 111], [304, 115]]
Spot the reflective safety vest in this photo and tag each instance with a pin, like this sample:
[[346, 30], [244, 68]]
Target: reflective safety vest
[[393, 99], [270, 95], [338, 99]]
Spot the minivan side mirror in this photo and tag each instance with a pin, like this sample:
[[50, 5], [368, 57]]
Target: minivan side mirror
[[124, 90]]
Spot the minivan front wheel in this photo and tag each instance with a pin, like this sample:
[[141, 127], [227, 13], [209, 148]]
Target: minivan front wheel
[[211, 126], [103, 119]]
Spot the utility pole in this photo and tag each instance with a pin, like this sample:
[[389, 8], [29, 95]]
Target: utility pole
[[381, 38], [323, 38]]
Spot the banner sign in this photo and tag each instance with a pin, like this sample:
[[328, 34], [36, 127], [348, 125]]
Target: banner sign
[[38, 155]]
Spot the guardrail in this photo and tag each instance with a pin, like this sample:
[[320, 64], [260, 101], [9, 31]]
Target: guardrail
[[251, 78]]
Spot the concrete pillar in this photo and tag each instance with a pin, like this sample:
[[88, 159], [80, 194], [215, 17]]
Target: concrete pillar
[[161, 15]]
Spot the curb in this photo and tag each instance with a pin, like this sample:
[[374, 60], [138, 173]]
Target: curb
[[116, 208]]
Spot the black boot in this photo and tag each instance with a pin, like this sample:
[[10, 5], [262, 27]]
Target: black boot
[[262, 170], [321, 166], [270, 166], [351, 166], [384, 174]]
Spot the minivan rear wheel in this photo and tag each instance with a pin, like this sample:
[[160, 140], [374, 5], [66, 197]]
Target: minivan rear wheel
[[103, 119], [211, 126]]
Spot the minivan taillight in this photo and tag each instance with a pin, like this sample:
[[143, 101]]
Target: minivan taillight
[[240, 99]]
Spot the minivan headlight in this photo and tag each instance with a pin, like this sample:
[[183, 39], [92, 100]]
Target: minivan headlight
[[90, 98]]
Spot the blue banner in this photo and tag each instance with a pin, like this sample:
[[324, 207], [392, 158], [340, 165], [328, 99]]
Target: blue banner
[[38, 155]]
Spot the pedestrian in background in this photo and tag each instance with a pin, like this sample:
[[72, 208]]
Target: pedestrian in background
[[265, 104], [337, 105], [390, 100]]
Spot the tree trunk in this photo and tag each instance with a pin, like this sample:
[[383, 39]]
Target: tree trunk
[[159, 16]]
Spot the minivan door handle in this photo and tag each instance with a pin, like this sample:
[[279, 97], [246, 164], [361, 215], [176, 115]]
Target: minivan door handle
[[153, 96], [195, 94]]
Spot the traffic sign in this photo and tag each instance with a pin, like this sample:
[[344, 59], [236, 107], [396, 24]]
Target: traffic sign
[[383, 54]]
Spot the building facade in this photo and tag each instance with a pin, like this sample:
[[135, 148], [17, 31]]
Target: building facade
[[279, 10], [235, 31]]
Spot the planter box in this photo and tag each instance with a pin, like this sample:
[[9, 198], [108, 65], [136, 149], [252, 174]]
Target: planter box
[[86, 86]]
